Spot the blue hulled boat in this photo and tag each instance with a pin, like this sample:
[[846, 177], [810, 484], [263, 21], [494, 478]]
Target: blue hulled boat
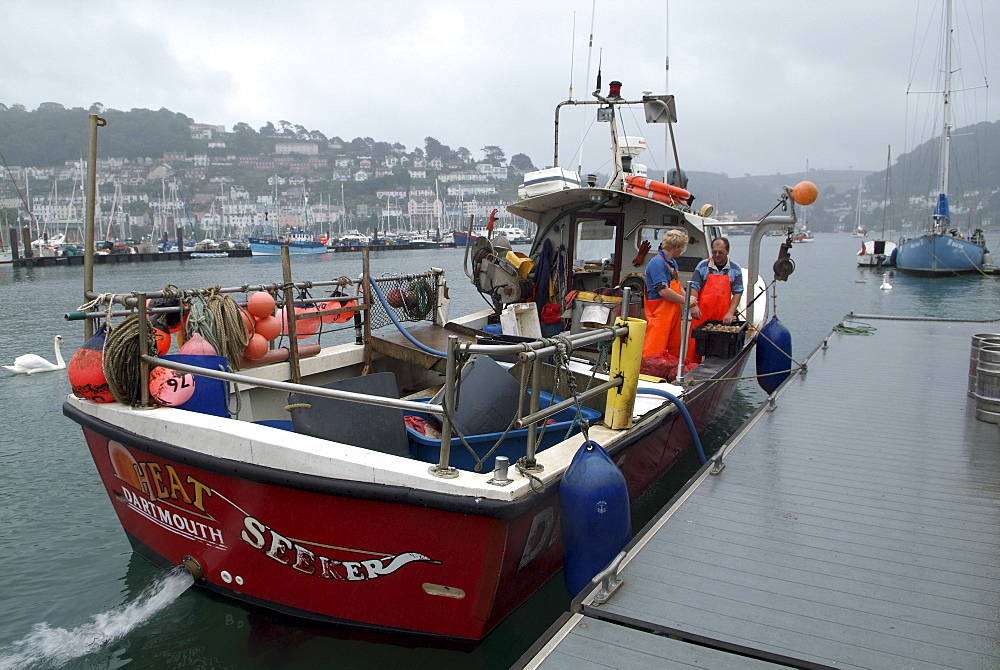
[[297, 241], [943, 250]]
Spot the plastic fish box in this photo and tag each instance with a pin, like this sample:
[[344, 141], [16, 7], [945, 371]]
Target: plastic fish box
[[514, 446], [719, 343]]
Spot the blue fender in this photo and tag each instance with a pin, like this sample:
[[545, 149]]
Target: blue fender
[[774, 355], [596, 517]]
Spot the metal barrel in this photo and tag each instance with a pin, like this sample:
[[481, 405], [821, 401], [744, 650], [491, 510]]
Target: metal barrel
[[979, 341], [988, 384]]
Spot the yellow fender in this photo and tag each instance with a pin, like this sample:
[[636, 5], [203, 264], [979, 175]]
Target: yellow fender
[[626, 359]]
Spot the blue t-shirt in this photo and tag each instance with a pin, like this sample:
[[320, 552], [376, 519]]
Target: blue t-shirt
[[704, 268], [658, 274]]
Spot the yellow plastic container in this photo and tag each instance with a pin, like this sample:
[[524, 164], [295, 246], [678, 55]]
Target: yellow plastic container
[[523, 264]]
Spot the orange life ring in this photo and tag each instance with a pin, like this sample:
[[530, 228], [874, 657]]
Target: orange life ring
[[654, 195], [658, 187]]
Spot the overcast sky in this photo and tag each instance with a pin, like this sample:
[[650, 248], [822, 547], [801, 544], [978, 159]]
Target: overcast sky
[[762, 86]]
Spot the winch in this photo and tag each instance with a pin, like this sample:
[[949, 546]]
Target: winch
[[499, 272]]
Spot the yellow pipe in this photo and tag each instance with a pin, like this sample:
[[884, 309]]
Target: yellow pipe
[[626, 358]]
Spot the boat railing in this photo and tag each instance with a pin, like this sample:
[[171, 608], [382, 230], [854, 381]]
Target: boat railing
[[530, 352]]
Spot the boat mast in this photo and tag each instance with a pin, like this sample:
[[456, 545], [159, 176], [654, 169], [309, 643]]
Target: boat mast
[[941, 212], [666, 91]]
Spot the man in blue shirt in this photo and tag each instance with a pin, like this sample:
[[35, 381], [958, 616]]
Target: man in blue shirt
[[717, 283]]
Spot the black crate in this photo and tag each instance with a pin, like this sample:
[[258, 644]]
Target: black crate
[[716, 343]]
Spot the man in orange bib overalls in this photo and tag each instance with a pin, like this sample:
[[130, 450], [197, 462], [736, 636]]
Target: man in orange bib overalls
[[717, 284]]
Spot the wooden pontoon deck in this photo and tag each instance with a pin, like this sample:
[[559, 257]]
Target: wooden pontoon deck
[[855, 525]]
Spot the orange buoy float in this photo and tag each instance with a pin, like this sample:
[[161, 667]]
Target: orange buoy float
[[86, 370], [804, 193], [162, 338], [269, 328], [170, 388], [256, 347], [337, 303], [260, 304], [303, 327]]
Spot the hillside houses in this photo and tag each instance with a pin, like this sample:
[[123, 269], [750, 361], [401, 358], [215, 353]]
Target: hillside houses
[[219, 182]]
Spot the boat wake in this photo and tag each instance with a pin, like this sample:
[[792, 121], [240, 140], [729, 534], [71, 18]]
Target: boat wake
[[53, 647]]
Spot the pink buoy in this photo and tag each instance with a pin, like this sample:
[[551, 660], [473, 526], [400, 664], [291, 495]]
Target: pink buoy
[[170, 388], [198, 345]]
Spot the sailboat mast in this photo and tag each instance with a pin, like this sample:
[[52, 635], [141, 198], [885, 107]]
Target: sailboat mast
[[946, 101]]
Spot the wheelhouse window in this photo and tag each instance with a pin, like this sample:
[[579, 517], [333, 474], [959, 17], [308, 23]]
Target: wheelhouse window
[[595, 240], [653, 235]]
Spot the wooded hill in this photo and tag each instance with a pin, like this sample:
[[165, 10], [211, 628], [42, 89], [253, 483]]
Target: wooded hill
[[53, 134]]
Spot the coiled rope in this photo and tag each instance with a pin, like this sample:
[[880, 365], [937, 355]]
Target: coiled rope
[[216, 317], [121, 361], [860, 329]]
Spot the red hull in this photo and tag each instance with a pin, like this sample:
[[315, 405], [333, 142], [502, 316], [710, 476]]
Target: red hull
[[371, 555]]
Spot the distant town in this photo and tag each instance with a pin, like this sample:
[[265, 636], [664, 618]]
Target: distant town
[[326, 187], [163, 172]]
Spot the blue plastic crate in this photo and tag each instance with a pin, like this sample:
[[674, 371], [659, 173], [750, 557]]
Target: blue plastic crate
[[514, 446]]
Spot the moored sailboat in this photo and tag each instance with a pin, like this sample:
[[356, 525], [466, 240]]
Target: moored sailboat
[[943, 250], [879, 252]]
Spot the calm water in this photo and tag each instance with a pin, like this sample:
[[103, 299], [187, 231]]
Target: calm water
[[74, 596]]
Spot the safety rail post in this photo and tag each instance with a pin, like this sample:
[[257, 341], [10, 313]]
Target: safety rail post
[[766, 225], [626, 361], [143, 348], [443, 469], [95, 122], [293, 329], [528, 462], [366, 291], [685, 335]]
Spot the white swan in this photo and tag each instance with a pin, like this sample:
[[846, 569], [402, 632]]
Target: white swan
[[886, 286], [32, 363]]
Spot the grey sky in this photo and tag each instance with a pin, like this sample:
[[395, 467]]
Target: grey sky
[[762, 86]]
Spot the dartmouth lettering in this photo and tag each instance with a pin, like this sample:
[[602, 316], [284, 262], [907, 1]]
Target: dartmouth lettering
[[179, 523]]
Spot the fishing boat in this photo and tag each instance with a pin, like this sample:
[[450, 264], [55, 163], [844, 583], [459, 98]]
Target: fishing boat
[[465, 238], [422, 241], [408, 478], [296, 241], [943, 250]]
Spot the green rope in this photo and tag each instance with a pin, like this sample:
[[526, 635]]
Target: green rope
[[861, 329], [216, 317]]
